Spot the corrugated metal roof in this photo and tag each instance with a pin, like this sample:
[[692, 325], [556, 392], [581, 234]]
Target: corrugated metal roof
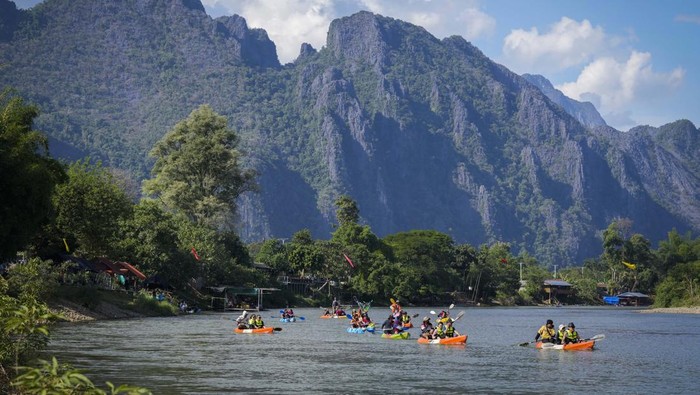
[[632, 295], [557, 283]]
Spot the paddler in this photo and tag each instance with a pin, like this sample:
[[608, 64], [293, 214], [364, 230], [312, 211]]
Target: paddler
[[450, 330], [405, 319], [546, 334], [571, 336], [426, 328]]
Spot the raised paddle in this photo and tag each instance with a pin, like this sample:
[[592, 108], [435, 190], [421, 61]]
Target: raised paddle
[[448, 309], [460, 315]]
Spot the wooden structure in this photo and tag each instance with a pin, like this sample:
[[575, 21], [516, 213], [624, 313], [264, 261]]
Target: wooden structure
[[555, 288], [231, 298]]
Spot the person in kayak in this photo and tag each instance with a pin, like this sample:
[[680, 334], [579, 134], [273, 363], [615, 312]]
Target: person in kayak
[[395, 309], [405, 319], [439, 331], [444, 317], [240, 321], [388, 325], [426, 328], [546, 334], [259, 321], [450, 330], [560, 333], [571, 336]]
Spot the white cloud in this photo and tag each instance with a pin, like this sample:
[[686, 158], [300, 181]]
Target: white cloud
[[427, 20], [616, 86], [688, 18], [477, 23], [568, 43]]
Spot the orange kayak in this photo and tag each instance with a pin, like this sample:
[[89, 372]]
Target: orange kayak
[[408, 326], [447, 340], [267, 329], [587, 345]]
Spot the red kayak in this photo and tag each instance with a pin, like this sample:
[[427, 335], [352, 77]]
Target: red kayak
[[584, 345], [267, 329], [446, 340]]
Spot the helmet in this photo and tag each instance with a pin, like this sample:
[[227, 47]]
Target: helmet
[[561, 327], [550, 322], [571, 325]]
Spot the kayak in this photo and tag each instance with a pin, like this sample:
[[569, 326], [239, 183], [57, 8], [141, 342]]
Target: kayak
[[369, 329], [408, 326], [447, 340], [587, 345], [267, 329], [397, 336], [334, 316], [290, 319]]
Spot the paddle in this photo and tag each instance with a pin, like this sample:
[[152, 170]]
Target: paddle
[[448, 309], [460, 315], [415, 315], [276, 329]]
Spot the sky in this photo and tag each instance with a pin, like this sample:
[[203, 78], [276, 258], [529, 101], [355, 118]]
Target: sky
[[637, 61]]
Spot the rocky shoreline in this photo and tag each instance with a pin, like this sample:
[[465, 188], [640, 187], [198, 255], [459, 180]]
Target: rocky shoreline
[[74, 312], [673, 310]]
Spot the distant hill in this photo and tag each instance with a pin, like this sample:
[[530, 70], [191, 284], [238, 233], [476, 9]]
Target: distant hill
[[423, 133]]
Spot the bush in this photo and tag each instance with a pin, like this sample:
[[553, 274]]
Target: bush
[[144, 303]]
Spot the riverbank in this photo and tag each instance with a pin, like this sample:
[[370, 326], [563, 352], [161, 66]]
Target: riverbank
[[74, 312], [673, 310], [77, 304]]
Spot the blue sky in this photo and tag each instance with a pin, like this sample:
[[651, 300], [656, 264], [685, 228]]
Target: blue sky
[[637, 61]]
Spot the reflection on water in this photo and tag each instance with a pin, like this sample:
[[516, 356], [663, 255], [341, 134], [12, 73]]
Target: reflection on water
[[200, 354]]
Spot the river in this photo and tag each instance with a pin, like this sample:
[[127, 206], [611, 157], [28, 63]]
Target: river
[[200, 354]]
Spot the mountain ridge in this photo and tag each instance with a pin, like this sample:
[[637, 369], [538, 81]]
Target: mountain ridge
[[421, 132]]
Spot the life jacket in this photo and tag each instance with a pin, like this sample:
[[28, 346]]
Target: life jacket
[[440, 331], [259, 323], [251, 322], [561, 334], [546, 333], [450, 331], [426, 328], [571, 335]]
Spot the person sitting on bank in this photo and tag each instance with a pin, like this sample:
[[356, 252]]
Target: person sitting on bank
[[450, 330], [426, 328], [571, 336], [546, 334]]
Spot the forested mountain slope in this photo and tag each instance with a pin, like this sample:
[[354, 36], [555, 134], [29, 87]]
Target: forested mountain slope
[[423, 133]]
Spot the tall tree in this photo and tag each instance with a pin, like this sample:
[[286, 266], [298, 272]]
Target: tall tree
[[197, 170], [90, 206], [27, 175]]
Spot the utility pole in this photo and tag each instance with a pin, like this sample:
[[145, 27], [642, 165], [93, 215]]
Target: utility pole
[[521, 271], [555, 271]]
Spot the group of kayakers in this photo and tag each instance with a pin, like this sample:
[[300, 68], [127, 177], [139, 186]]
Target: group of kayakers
[[360, 319], [564, 335], [255, 321], [444, 327], [287, 313]]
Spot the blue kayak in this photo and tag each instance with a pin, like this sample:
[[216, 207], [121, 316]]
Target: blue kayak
[[290, 319], [369, 329]]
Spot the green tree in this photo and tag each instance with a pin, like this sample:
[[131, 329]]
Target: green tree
[[347, 211], [27, 175], [90, 207], [273, 253], [150, 240], [197, 170]]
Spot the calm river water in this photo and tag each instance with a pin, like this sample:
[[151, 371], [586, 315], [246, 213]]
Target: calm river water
[[200, 354]]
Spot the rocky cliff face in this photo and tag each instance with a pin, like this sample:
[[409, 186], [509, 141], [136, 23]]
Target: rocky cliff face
[[584, 112], [422, 133]]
